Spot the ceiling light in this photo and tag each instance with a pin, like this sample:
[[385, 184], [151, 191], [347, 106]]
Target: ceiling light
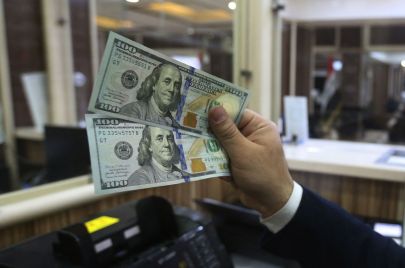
[[232, 5], [132, 1], [113, 24], [188, 13], [403, 63], [337, 65]]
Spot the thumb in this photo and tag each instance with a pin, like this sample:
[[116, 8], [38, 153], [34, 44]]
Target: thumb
[[225, 130]]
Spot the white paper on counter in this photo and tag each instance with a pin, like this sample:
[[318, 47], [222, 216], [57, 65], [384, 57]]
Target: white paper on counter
[[35, 88], [296, 118]]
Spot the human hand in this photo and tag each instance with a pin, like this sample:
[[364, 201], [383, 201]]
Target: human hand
[[258, 166]]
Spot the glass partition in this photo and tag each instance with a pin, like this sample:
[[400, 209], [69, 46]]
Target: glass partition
[[353, 74], [198, 33]]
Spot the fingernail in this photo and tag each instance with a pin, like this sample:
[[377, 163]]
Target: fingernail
[[217, 115]]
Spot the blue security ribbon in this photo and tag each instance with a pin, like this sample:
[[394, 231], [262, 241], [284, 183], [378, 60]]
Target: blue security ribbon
[[187, 85], [182, 156]]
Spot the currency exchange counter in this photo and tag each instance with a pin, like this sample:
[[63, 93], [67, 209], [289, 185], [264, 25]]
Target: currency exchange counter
[[150, 233]]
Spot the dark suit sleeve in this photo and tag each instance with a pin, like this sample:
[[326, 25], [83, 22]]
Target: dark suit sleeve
[[322, 234]]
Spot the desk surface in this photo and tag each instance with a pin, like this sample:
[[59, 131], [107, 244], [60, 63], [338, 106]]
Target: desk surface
[[29, 133], [28, 204], [344, 158]]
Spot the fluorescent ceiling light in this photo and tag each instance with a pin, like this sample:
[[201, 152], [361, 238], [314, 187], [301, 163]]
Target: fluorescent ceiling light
[[132, 1], [232, 5], [189, 13], [113, 24], [337, 65], [403, 63]]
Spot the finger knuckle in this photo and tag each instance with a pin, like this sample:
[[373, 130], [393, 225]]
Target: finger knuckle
[[229, 131]]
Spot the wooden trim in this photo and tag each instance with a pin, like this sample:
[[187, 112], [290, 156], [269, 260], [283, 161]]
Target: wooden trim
[[254, 53], [275, 90], [240, 47], [337, 37], [93, 38], [7, 103], [59, 59], [293, 58]]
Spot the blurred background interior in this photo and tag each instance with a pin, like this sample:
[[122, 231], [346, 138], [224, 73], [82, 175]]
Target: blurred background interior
[[347, 57], [53, 49], [350, 66]]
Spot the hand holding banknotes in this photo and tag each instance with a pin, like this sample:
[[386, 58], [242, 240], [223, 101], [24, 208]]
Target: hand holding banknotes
[[149, 125], [259, 169]]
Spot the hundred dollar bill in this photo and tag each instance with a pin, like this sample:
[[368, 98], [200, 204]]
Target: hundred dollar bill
[[126, 155], [141, 85]]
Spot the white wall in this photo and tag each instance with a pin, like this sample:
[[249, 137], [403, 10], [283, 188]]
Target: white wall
[[324, 10]]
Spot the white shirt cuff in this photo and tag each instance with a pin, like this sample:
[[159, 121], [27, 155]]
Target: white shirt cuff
[[279, 220]]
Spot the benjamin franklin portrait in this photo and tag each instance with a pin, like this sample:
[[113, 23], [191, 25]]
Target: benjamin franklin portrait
[[157, 155], [158, 96]]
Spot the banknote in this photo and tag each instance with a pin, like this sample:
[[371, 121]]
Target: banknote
[[126, 155], [141, 85]]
